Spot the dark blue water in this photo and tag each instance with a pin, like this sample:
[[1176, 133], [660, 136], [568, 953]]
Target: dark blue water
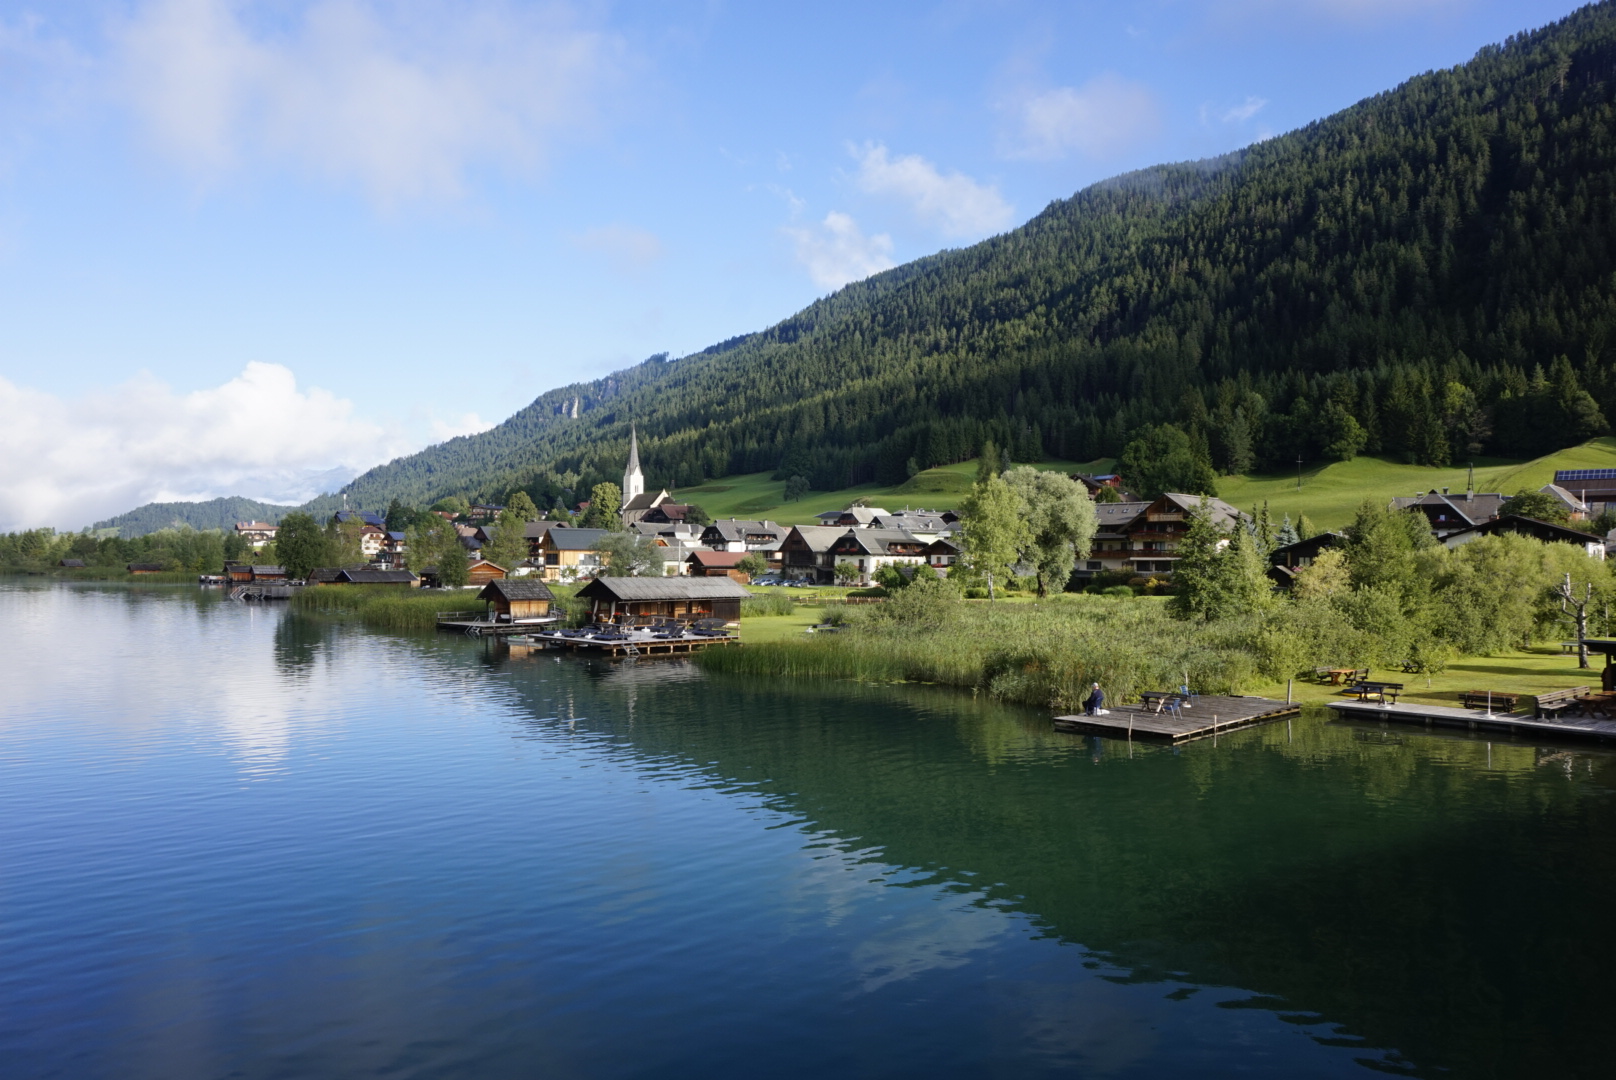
[[238, 843]]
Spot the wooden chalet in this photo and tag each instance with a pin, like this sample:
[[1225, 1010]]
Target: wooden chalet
[[868, 550], [517, 601], [269, 575], [805, 552], [706, 563], [942, 553], [1546, 531], [238, 573], [569, 553], [71, 564], [481, 572], [1451, 513], [145, 568], [666, 513], [1288, 561], [534, 532], [615, 599]]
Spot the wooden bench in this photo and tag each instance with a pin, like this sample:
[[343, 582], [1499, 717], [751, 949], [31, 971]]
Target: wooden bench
[[1556, 702], [1488, 699], [1365, 690]]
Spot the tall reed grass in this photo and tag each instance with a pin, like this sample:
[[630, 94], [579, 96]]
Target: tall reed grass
[[398, 607], [1044, 654]]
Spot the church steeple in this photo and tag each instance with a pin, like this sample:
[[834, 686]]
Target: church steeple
[[633, 478]]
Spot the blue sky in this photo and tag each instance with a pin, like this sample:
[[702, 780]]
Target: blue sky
[[245, 243]]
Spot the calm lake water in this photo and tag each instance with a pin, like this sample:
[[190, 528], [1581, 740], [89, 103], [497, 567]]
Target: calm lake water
[[238, 843]]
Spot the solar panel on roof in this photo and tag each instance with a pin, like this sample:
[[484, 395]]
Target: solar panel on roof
[[1563, 475]]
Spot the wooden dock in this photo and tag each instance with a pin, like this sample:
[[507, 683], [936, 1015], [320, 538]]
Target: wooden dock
[[488, 628], [1477, 720], [1206, 716], [637, 645]]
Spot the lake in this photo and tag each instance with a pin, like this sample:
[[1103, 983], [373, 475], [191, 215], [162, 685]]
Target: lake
[[234, 842]]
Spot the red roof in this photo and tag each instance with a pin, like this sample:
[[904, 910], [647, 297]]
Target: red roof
[[717, 559]]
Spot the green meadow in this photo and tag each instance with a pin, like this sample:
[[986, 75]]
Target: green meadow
[[1328, 494]]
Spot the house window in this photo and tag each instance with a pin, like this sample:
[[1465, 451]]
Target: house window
[[1095, 565]]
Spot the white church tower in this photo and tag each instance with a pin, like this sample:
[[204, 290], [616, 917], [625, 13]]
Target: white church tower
[[633, 478]]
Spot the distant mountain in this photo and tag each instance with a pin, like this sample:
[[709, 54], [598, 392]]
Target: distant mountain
[[212, 514]]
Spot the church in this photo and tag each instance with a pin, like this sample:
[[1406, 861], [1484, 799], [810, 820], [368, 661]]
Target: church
[[636, 503]]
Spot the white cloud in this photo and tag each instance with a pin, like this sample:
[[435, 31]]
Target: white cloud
[[626, 247], [1104, 117], [468, 424], [69, 462], [837, 252], [953, 203], [403, 99], [1244, 111]]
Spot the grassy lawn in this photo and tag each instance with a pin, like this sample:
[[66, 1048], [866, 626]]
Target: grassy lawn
[[1328, 496], [757, 629], [754, 495], [1543, 669]]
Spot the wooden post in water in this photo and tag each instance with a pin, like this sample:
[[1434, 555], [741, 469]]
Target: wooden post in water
[[1288, 684]]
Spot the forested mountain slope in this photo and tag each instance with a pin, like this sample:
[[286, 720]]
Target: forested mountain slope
[[1429, 273], [209, 514]]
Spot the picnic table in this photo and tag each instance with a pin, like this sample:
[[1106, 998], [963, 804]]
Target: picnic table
[[1366, 690], [1162, 700], [1485, 699], [1569, 646]]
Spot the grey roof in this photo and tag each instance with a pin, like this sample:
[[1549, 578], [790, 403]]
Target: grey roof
[[1547, 531], [367, 576], [879, 541], [535, 529], [1571, 500], [912, 520], [324, 574], [575, 539], [736, 530], [645, 500], [1223, 514], [517, 589], [633, 451], [664, 588], [1464, 509], [864, 515], [1114, 517], [819, 538]]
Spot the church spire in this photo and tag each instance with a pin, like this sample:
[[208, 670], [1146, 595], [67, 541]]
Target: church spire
[[633, 478]]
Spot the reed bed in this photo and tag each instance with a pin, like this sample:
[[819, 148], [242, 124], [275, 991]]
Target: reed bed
[[1045, 654], [390, 607]]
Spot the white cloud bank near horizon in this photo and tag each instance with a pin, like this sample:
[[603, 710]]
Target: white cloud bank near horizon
[[66, 463]]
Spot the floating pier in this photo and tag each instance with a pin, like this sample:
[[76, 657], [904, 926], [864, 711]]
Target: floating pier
[[1206, 715], [462, 623], [636, 644], [1477, 720]]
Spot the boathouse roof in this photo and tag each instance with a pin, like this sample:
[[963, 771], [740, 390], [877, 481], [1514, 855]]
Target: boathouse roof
[[516, 590], [651, 588]]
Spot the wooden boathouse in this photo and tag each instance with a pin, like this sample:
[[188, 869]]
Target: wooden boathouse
[[516, 600], [620, 599]]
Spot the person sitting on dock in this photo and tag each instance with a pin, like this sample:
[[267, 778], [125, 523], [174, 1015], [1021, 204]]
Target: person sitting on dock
[[1095, 701]]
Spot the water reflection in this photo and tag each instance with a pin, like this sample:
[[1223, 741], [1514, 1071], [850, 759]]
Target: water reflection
[[459, 858]]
